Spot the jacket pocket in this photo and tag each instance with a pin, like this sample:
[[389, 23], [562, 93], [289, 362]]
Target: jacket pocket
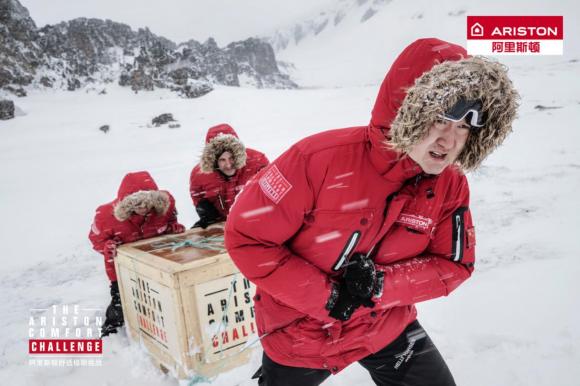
[[328, 237], [272, 315]]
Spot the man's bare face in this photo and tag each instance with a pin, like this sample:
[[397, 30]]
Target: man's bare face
[[226, 164], [441, 146]]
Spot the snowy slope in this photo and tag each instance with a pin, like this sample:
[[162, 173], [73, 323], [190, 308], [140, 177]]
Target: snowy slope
[[514, 323], [359, 49], [327, 16]]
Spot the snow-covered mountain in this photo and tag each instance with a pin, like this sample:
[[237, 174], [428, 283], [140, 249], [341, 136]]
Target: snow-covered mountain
[[83, 51], [311, 26], [20, 53]]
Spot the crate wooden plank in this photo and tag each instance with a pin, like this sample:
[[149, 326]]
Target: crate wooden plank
[[165, 254], [153, 309], [186, 302], [225, 310]]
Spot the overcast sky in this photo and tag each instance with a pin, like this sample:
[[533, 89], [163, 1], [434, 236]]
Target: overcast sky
[[180, 20]]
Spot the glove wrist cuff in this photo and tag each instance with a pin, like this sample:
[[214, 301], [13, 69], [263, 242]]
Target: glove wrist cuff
[[333, 298]]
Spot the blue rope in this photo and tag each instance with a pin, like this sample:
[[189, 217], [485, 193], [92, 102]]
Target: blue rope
[[197, 379], [205, 243]]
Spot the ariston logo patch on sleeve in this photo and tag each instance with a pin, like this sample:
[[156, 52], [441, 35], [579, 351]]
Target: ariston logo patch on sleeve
[[416, 222], [274, 185]]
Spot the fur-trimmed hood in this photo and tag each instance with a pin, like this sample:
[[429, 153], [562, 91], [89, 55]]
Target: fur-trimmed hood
[[136, 190], [219, 139], [436, 75]]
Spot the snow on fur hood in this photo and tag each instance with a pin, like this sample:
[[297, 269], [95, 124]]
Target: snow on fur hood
[[219, 139], [139, 189], [427, 79]]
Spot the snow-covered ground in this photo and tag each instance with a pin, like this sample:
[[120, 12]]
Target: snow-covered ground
[[515, 322]]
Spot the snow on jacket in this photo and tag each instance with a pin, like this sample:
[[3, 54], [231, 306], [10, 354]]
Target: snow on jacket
[[207, 182], [116, 220], [291, 225]]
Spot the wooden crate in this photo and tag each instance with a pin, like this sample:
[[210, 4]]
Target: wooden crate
[[186, 302]]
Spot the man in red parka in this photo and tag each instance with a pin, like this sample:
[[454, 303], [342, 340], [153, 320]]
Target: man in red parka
[[349, 228], [140, 211], [224, 168]]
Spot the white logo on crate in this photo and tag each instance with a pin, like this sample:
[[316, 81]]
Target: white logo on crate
[[226, 313], [149, 308], [153, 313]]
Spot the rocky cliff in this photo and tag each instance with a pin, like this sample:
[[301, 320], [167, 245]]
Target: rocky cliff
[[82, 51]]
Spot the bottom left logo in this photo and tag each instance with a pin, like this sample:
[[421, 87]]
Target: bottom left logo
[[65, 336]]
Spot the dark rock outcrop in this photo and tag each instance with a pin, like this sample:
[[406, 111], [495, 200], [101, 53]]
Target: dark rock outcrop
[[194, 89], [162, 119], [19, 51], [6, 109], [257, 61], [72, 54]]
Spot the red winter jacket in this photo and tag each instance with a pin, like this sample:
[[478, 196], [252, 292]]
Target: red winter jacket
[[205, 182], [291, 225], [115, 220]]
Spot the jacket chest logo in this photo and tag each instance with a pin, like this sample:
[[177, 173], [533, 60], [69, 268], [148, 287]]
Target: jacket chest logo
[[415, 222]]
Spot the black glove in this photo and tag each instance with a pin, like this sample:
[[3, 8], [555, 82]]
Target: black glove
[[360, 276], [207, 213], [114, 313], [342, 303]]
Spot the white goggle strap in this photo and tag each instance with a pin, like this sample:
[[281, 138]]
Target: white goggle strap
[[474, 117]]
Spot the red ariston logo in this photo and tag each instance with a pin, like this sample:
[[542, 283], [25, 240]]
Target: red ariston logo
[[515, 35]]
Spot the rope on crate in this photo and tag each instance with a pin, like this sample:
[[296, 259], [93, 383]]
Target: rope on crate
[[197, 379], [205, 243]]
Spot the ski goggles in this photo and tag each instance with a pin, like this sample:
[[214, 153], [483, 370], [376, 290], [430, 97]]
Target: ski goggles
[[471, 111]]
